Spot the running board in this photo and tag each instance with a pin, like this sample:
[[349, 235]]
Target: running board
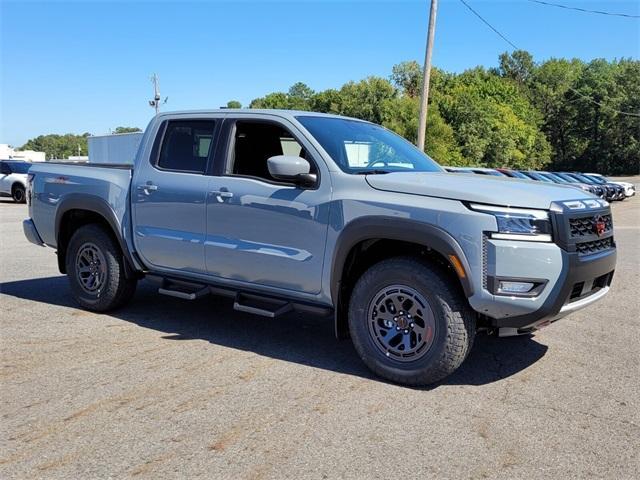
[[262, 306], [183, 290]]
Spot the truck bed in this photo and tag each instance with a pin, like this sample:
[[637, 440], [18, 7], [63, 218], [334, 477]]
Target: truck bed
[[58, 187]]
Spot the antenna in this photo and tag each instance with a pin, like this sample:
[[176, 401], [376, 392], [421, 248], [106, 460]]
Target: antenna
[[155, 103]]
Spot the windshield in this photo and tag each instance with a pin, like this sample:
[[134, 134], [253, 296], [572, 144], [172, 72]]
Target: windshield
[[359, 147], [598, 180], [517, 174], [18, 167], [566, 177], [537, 176], [552, 177], [493, 173], [584, 179]]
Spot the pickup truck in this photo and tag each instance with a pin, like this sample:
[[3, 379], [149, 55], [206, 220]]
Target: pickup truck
[[285, 210]]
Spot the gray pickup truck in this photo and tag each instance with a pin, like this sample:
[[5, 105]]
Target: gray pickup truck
[[286, 210]]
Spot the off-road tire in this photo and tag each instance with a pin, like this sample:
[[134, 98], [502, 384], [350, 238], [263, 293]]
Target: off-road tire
[[18, 194], [116, 289], [455, 322]]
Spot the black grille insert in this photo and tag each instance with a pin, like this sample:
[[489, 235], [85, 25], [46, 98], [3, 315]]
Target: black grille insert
[[595, 246], [584, 226]]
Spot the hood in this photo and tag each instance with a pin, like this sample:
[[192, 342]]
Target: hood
[[477, 188]]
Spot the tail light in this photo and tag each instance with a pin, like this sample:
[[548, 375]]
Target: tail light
[[30, 177]]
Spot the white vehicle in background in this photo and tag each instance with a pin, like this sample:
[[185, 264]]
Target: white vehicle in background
[[13, 179], [629, 188]]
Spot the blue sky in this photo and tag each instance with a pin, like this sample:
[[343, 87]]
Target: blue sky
[[85, 66]]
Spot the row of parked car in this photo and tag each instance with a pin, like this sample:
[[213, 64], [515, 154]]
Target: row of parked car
[[589, 182]]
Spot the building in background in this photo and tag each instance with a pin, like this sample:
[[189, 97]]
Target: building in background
[[8, 153], [118, 148]]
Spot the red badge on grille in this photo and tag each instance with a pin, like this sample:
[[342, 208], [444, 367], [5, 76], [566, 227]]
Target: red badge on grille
[[599, 226]]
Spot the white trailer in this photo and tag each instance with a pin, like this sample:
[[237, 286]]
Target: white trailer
[[119, 148]]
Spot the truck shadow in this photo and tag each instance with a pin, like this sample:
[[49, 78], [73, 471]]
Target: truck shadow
[[302, 339]]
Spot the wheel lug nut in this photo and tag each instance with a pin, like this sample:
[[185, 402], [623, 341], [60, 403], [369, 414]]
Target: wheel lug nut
[[412, 325], [406, 331], [397, 328]]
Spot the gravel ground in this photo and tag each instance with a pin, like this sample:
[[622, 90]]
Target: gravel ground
[[171, 389]]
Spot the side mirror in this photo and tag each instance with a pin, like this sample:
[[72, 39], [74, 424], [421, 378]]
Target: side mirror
[[291, 169]]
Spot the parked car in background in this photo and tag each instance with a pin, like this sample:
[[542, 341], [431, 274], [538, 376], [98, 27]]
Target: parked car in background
[[629, 188], [595, 189], [303, 211], [477, 170], [612, 191], [513, 173], [13, 179]]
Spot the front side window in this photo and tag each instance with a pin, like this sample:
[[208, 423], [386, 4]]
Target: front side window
[[187, 146], [255, 142], [360, 147]]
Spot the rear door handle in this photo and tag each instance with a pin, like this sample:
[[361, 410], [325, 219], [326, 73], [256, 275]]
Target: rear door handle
[[222, 194]]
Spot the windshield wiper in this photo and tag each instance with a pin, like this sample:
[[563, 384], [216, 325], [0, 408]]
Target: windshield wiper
[[373, 171]]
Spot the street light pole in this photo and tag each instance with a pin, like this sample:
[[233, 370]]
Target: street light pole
[[422, 124]]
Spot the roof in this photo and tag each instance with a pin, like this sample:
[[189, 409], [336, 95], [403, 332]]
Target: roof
[[289, 114]]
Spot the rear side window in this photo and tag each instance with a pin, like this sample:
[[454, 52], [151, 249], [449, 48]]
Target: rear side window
[[187, 146]]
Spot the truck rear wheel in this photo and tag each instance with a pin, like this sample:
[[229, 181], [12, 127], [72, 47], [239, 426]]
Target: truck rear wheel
[[408, 323], [96, 271]]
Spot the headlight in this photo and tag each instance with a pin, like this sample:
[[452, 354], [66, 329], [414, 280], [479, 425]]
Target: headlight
[[518, 223]]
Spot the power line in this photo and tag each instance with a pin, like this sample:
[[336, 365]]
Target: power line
[[631, 114], [585, 10], [488, 24]]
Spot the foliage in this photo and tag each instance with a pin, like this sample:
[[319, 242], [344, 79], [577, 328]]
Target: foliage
[[559, 114], [58, 146], [234, 104], [119, 130]]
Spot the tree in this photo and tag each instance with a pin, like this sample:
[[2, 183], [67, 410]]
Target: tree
[[407, 77], [126, 130], [518, 66], [234, 104], [59, 146]]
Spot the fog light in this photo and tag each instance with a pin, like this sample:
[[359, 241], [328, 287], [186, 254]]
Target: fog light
[[515, 287]]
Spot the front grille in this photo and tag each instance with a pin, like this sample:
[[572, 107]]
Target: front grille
[[587, 248], [583, 226]]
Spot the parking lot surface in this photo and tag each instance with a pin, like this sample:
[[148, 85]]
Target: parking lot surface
[[165, 388]]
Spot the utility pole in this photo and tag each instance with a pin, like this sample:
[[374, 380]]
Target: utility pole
[[422, 124], [155, 103]]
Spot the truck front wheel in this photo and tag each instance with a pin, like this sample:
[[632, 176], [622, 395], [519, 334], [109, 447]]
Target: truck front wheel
[[408, 323], [96, 271]]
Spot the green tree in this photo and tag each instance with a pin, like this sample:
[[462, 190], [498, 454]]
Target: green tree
[[234, 104], [59, 146], [407, 77], [126, 130]]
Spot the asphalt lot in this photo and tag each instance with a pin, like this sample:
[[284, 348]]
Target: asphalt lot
[[171, 389]]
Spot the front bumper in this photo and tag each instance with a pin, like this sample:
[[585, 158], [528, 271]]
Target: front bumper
[[571, 273], [583, 281], [31, 233]]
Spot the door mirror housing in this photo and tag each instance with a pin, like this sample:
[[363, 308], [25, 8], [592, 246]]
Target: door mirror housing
[[291, 169]]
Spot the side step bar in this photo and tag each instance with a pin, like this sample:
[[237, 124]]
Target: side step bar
[[184, 295], [262, 306]]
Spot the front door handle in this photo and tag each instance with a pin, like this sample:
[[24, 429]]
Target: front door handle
[[149, 187]]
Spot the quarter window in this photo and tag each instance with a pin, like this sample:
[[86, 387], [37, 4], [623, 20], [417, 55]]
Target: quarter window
[[187, 146]]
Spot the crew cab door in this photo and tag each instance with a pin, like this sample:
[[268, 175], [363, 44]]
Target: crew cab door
[[169, 192], [261, 231]]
